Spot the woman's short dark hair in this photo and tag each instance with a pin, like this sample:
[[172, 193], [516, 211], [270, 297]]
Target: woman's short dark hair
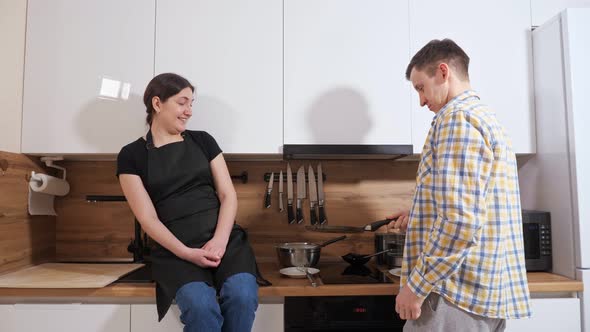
[[437, 51], [163, 86]]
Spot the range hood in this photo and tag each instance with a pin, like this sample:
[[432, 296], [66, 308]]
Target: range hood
[[341, 151]]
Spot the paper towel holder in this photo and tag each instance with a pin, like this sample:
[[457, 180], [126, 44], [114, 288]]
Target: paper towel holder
[[48, 160]]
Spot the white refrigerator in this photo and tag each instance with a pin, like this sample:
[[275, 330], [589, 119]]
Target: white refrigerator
[[557, 177]]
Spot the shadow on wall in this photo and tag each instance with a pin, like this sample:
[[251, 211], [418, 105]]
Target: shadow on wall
[[103, 122], [215, 117], [339, 116]]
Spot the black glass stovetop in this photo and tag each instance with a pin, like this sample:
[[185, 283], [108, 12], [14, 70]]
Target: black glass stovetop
[[344, 273]]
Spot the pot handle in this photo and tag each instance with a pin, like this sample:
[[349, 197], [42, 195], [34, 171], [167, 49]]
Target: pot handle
[[332, 241]]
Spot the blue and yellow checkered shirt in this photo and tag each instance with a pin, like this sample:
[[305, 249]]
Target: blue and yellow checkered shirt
[[464, 239]]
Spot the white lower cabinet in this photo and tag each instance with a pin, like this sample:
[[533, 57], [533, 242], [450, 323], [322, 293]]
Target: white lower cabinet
[[7, 318], [269, 318], [112, 318], [64, 317], [549, 314], [144, 318]]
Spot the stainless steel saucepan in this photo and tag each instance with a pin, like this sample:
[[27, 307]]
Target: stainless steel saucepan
[[301, 254]]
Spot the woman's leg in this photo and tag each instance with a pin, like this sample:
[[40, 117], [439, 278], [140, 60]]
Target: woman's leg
[[199, 308], [238, 302]]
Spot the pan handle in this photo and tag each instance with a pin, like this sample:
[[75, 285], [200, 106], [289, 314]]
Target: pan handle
[[332, 241], [375, 225], [378, 253]]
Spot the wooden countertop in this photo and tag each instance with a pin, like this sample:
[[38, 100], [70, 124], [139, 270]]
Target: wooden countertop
[[539, 282]]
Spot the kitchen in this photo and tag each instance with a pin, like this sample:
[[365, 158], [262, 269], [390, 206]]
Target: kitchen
[[269, 61]]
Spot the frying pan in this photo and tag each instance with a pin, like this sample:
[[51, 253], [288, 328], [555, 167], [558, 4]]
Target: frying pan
[[356, 259], [349, 229]]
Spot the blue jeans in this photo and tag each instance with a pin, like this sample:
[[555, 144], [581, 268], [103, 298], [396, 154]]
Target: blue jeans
[[238, 301]]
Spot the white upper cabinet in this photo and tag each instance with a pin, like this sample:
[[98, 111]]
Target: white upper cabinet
[[543, 10], [497, 37], [86, 66], [231, 51], [344, 72]]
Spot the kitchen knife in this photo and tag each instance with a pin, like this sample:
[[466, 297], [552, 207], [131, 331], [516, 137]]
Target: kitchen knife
[[350, 229], [281, 191], [313, 197], [269, 190], [290, 215], [323, 218], [300, 193]]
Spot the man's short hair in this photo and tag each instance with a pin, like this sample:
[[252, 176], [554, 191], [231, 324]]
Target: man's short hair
[[437, 51]]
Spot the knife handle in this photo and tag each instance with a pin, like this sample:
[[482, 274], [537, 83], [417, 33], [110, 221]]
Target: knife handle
[[313, 218], [299, 212], [280, 202], [267, 199], [323, 218], [290, 214]]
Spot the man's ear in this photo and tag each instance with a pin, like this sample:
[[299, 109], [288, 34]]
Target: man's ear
[[444, 69]]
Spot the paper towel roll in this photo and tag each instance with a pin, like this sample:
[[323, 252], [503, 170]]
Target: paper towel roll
[[47, 184], [42, 190]]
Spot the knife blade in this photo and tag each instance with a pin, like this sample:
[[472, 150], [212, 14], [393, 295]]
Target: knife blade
[[322, 213], [313, 197], [290, 214], [269, 190], [281, 191], [300, 193]]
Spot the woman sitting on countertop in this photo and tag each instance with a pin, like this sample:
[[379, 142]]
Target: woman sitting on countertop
[[177, 184]]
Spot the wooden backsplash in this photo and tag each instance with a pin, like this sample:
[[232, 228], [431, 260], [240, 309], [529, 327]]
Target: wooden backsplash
[[24, 240], [357, 192]]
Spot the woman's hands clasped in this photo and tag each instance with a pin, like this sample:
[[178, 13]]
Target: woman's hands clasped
[[201, 257], [209, 256], [216, 246]]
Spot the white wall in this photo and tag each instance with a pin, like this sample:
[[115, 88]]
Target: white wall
[[543, 10], [12, 56]]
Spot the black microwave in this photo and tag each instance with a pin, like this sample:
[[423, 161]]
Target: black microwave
[[536, 229]]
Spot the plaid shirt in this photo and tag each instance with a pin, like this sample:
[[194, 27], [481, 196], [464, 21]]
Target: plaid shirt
[[464, 239]]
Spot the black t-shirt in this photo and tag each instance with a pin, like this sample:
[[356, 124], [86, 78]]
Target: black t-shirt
[[132, 158]]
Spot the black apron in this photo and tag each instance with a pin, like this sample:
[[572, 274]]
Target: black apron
[[181, 187]]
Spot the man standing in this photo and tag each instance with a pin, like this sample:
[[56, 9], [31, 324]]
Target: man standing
[[463, 267]]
